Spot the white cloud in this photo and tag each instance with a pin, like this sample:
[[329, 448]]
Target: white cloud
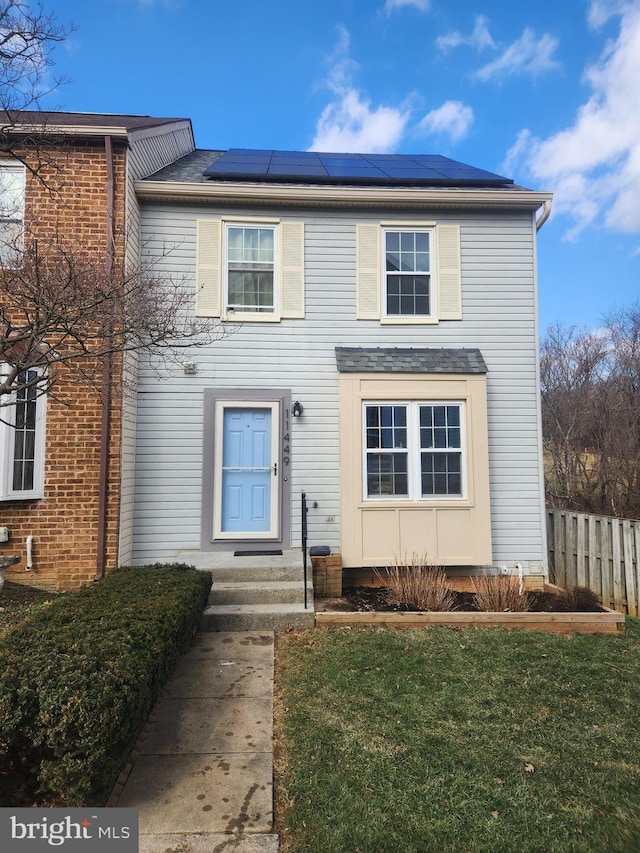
[[422, 5], [453, 119], [480, 38], [601, 10], [350, 123], [593, 166], [527, 55]]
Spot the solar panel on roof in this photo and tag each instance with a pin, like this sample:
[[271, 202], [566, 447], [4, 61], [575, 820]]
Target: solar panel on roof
[[308, 155], [326, 167], [297, 171]]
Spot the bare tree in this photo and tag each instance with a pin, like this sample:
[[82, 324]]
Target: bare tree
[[62, 313], [28, 37], [591, 416]]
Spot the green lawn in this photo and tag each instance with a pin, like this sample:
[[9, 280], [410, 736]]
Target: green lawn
[[443, 740]]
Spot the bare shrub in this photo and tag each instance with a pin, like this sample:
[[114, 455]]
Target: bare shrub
[[418, 584], [500, 593], [579, 599]]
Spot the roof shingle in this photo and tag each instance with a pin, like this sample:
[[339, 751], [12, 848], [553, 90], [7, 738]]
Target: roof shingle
[[409, 360]]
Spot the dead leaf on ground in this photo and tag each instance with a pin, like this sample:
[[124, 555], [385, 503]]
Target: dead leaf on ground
[[495, 815], [529, 768], [497, 780]]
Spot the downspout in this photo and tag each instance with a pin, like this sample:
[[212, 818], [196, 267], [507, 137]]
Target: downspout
[[105, 394], [546, 213]]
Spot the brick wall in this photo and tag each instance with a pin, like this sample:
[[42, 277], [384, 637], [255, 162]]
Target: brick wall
[[64, 523]]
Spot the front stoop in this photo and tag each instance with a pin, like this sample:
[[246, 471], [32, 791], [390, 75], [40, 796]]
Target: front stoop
[[255, 593]]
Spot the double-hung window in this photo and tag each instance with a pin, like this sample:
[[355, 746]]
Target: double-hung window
[[414, 450], [12, 198], [250, 268], [22, 441], [407, 273]]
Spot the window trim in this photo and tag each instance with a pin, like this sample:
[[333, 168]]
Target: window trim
[[7, 451], [413, 452], [401, 228], [251, 316], [446, 271], [290, 272], [18, 220]]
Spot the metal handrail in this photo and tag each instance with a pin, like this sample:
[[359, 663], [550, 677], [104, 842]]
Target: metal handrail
[[304, 510]]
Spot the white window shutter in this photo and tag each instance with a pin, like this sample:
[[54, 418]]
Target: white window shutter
[[208, 267], [449, 277], [368, 263], [292, 269]]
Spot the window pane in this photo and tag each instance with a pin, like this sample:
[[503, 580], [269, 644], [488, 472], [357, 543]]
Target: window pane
[[387, 474], [407, 295], [440, 426], [441, 474], [250, 291], [393, 241], [422, 241], [422, 262], [439, 437], [453, 437], [234, 244], [386, 427], [393, 261], [12, 189], [24, 443], [407, 241]]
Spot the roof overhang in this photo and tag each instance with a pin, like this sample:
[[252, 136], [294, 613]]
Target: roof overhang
[[47, 129], [219, 192]]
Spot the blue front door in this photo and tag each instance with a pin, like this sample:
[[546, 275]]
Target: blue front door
[[248, 475]]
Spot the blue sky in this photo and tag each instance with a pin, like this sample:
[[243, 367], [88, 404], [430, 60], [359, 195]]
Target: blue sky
[[547, 93]]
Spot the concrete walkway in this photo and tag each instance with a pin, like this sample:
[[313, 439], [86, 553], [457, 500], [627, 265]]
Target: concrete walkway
[[202, 778]]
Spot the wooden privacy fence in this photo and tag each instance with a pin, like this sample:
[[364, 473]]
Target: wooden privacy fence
[[599, 552]]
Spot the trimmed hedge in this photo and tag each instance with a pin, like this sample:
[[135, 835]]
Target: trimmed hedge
[[79, 677]]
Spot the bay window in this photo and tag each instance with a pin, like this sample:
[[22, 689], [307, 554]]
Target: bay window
[[414, 450]]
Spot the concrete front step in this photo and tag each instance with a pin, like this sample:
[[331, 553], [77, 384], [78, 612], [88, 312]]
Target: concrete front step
[[252, 617], [258, 574], [259, 592]]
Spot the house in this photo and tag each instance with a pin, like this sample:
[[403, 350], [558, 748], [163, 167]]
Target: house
[[66, 487], [382, 359], [380, 356]]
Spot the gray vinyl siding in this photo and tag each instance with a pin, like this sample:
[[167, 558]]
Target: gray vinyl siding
[[148, 152], [499, 305]]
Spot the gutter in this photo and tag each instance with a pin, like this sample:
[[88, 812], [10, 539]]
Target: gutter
[[105, 394], [339, 196]]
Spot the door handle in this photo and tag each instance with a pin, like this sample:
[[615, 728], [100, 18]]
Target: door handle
[[275, 469]]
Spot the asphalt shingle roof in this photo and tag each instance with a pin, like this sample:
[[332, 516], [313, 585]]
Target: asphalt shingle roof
[[409, 360], [67, 119], [188, 169]]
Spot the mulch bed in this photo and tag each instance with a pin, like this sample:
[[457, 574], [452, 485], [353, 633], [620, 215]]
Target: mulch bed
[[380, 599]]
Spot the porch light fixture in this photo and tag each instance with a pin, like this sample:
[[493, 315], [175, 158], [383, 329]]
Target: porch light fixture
[[297, 409]]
